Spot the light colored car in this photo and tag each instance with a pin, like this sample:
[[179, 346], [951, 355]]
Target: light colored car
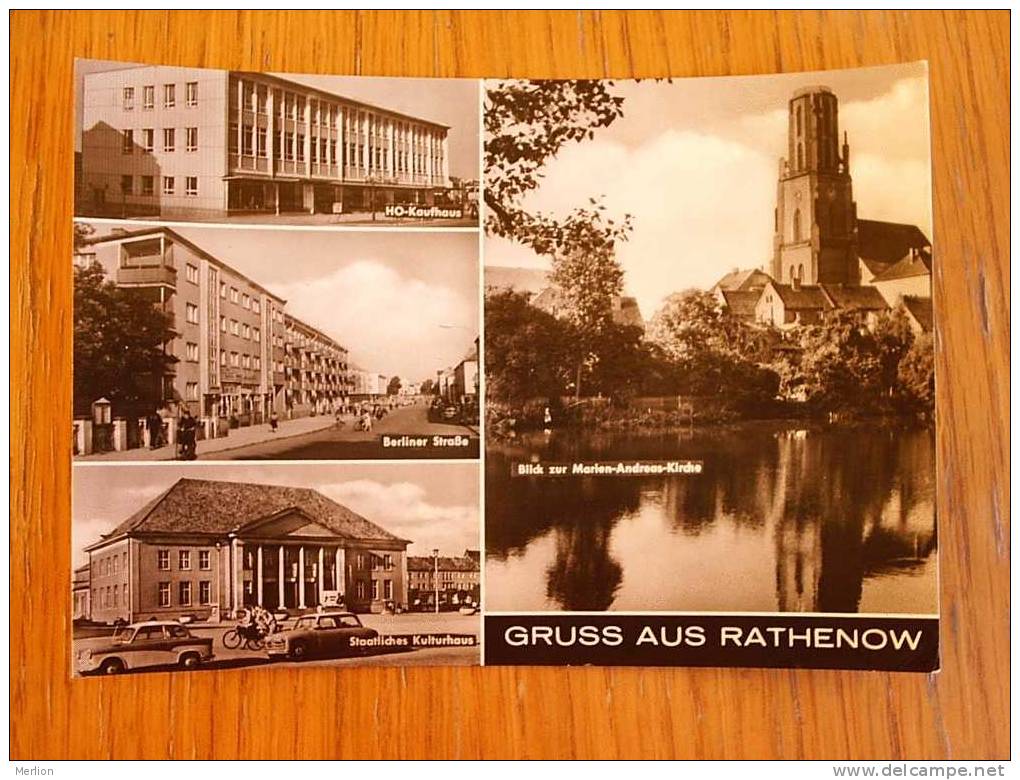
[[151, 643], [326, 635]]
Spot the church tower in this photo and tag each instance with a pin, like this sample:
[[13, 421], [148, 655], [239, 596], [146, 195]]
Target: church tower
[[816, 217]]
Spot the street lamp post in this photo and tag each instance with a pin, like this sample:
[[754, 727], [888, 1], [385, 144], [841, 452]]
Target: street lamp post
[[435, 577]]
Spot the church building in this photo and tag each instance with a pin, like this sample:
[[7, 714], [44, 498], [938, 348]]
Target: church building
[[824, 258]]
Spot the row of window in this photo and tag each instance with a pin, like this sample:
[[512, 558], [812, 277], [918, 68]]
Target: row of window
[[110, 596], [110, 564], [169, 96], [361, 589], [184, 560], [292, 106], [241, 329], [184, 594], [148, 138], [357, 155], [241, 360], [146, 185], [242, 299]]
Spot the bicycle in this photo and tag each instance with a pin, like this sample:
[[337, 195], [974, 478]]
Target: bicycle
[[251, 638]]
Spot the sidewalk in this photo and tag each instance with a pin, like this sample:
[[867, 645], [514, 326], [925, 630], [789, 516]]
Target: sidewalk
[[238, 437]]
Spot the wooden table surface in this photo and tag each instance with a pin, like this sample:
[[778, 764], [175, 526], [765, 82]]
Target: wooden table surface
[[962, 712]]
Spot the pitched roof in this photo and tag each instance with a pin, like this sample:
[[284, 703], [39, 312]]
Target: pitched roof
[[205, 506], [912, 264], [808, 296], [748, 279], [855, 297], [625, 308], [887, 242], [424, 563], [741, 303], [921, 310]]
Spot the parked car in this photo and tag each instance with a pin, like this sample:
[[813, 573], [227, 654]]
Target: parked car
[[326, 635], [150, 643]]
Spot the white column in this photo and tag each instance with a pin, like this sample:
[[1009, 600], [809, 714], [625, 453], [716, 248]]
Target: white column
[[322, 573], [301, 576], [279, 584], [446, 158], [258, 573], [340, 583]]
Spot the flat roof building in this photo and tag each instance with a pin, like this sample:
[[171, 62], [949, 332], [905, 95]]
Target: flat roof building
[[163, 141]]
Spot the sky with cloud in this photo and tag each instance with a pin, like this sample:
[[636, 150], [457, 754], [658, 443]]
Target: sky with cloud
[[404, 304], [435, 505], [696, 163]]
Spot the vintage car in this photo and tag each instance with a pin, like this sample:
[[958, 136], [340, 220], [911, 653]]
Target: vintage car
[[326, 635], [151, 643]]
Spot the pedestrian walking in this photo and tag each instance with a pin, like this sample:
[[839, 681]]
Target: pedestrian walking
[[274, 421], [186, 435]]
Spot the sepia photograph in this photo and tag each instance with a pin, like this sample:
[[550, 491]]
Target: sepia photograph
[[186, 566], [710, 345], [156, 142], [200, 342]]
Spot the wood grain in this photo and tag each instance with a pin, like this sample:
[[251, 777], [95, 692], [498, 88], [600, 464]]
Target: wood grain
[[959, 713]]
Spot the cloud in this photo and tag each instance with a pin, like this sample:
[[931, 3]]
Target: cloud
[[391, 323], [402, 509]]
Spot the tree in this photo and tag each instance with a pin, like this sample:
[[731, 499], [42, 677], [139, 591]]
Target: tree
[[119, 338], [393, 386], [713, 352], [526, 124], [428, 387], [916, 373], [526, 349], [846, 366]]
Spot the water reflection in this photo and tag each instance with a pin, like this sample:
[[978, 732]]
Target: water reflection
[[780, 520]]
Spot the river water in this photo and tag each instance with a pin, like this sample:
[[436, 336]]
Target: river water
[[781, 519]]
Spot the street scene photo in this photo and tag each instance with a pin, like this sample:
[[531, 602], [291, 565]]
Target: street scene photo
[[710, 345], [189, 566], [201, 145], [207, 343]]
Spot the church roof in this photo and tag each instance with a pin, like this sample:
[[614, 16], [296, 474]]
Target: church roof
[[741, 303], [205, 506], [914, 263], [855, 297], [921, 311], [887, 242], [747, 279]]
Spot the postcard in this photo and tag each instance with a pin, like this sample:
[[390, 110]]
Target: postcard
[[503, 372]]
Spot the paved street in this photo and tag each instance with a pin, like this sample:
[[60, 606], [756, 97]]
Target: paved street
[[408, 623], [311, 438], [346, 443]]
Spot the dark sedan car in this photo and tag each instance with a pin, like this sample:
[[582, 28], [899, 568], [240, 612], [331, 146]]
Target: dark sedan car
[[326, 635]]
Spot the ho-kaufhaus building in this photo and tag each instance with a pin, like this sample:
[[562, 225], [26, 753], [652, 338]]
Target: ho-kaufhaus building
[[207, 548], [238, 354], [200, 143]]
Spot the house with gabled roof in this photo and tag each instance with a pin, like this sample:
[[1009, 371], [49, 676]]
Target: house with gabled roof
[[207, 548]]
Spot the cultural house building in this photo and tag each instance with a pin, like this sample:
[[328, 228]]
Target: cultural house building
[[199, 143], [206, 548]]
